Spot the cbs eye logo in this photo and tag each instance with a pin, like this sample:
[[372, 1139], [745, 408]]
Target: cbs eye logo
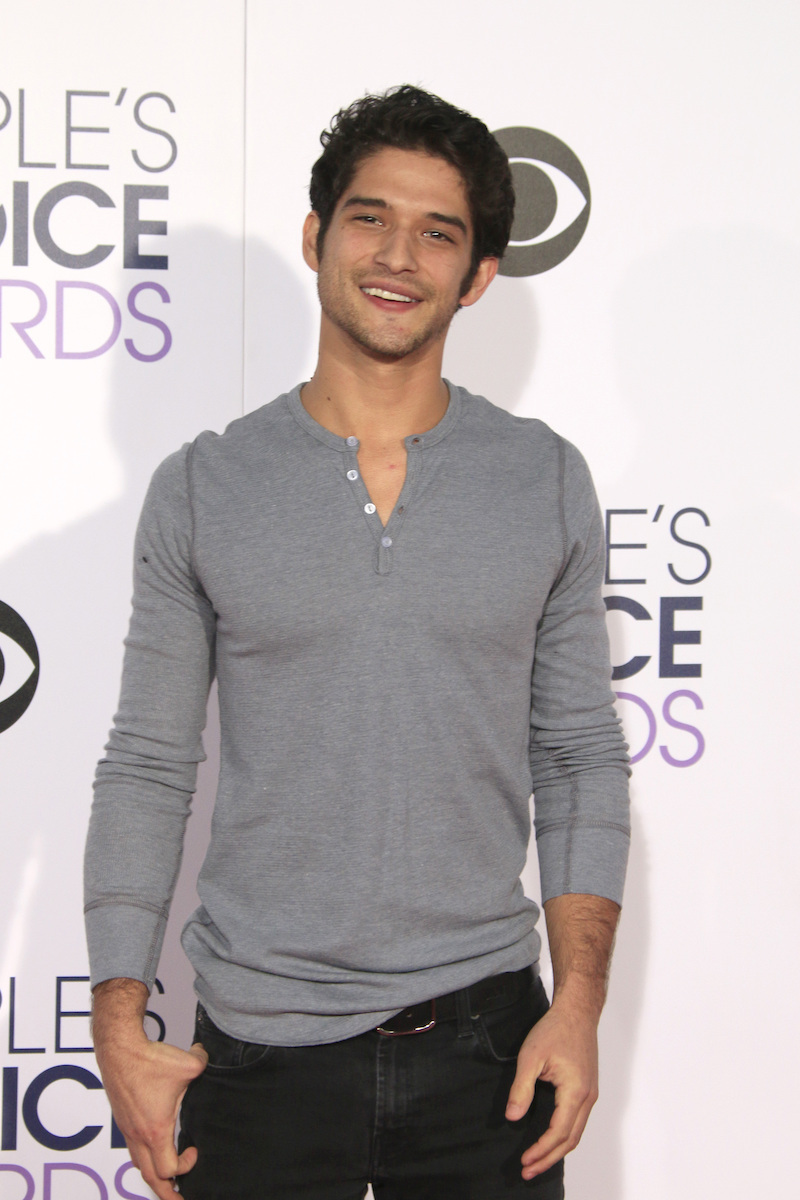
[[553, 200], [19, 666]]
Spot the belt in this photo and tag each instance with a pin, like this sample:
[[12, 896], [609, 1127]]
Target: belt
[[498, 991]]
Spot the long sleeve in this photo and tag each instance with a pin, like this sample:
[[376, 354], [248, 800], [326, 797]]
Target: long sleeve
[[145, 783], [578, 755]]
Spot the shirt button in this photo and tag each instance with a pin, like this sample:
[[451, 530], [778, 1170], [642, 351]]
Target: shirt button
[[386, 542], [352, 474], [351, 441], [369, 508]]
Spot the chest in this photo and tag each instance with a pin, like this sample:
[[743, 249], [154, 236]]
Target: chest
[[298, 564]]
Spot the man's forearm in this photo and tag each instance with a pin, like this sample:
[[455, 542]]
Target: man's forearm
[[581, 929]]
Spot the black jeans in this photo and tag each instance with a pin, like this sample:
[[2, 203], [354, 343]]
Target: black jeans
[[421, 1117]]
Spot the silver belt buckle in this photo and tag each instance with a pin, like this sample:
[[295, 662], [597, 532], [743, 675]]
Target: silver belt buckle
[[407, 1021]]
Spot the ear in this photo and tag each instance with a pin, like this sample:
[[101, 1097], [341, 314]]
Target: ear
[[310, 234], [487, 269]]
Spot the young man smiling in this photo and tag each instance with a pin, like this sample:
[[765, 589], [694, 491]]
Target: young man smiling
[[397, 264], [398, 585]]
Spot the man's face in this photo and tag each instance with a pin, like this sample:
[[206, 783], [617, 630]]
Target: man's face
[[396, 255]]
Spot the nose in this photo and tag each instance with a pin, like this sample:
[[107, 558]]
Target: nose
[[396, 251]]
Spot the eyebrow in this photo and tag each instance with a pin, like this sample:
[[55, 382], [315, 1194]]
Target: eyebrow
[[374, 202]]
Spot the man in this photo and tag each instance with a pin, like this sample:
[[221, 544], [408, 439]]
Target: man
[[398, 587]]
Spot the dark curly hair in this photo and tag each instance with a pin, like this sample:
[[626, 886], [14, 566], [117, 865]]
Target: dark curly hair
[[408, 118]]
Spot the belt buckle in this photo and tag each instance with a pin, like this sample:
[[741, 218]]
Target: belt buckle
[[410, 1020]]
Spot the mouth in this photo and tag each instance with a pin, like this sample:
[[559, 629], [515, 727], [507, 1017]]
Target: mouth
[[384, 294]]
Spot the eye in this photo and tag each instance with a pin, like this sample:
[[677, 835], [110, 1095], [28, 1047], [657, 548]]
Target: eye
[[437, 235], [553, 201], [19, 666]]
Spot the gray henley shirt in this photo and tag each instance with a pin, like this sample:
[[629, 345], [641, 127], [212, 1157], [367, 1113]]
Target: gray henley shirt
[[389, 698]]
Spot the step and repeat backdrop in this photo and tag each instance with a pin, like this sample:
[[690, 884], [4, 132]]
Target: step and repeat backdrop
[[154, 161]]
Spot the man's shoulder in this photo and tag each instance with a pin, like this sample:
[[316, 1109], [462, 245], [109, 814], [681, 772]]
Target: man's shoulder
[[242, 448], [490, 420], [251, 432], [527, 444]]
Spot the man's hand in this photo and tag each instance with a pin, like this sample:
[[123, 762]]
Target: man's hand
[[145, 1082], [562, 1047]]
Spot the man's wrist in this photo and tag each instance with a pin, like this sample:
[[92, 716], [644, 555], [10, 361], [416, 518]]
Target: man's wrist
[[580, 996], [118, 1009]]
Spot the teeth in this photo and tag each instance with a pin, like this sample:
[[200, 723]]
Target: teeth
[[382, 295]]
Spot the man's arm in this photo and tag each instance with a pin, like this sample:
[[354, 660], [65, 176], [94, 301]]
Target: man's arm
[[579, 768], [145, 1081], [145, 783], [142, 795], [562, 1047]]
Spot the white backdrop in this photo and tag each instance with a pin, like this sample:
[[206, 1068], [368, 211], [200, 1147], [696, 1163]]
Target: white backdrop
[[664, 345]]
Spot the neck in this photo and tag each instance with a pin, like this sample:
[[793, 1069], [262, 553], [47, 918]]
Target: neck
[[354, 392]]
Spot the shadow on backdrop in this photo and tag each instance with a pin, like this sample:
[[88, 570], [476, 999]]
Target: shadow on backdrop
[[491, 347], [77, 581]]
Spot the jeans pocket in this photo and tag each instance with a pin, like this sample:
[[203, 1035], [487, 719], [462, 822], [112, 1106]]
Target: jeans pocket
[[225, 1052], [502, 1032]]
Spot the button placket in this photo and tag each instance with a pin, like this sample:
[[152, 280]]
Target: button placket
[[391, 532], [385, 536], [356, 483]]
